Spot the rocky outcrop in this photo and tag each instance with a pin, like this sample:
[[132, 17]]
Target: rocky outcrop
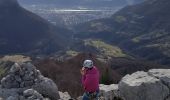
[[142, 86], [162, 74], [151, 85], [29, 94], [64, 96], [109, 92], [26, 82]]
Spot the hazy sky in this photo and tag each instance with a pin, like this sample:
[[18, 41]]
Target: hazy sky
[[69, 1], [88, 3]]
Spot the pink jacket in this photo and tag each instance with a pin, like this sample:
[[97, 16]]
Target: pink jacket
[[90, 80]]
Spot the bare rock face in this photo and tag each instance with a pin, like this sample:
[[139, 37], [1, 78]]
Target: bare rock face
[[109, 92], [64, 96], [162, 74], [25, 82], [143, 86], [151, 85], [31, 94], [48, 88]]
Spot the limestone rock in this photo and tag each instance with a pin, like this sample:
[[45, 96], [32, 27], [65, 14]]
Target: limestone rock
[[25, 78], [80, 98], [141, 86], [31, 94], [162, 74], [28, 94], [108, 92], [12, 98], [47, 88], [64, 96], [5, 93], [151, 85], [20, 76]]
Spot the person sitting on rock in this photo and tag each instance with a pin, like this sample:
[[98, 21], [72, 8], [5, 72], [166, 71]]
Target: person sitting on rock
[[90, 80]]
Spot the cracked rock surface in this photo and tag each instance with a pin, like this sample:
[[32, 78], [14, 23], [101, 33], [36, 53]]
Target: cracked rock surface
[[108, 92], [151, 85]]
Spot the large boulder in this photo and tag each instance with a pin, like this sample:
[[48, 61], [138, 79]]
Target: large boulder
[[151, 85], [65, 96], [142, 86], [162, 74], [24, 76], [32, 94], [47, 88], [28, 94], [109, 92]]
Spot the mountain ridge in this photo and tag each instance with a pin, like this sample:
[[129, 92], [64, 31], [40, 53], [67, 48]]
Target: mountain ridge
[[22, 31], [141, 29]]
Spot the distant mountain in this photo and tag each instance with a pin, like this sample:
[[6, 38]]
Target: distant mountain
[[90, 3], [142, 30], [22, 31]]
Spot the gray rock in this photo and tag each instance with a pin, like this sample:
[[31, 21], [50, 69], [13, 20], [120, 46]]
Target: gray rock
[[5, 93], [24, 76], [21, 75], [3, 83], [39, 79], [15, 68], [29, 83], [141, 86], [27, 77], [14, 84], [31, 94], [80, 98], [21, 98], [1, 98], [22, 85], [47, 88], [13, 98], [7, 82], [28, 67], [108, 92], [64, 96], [162, 74], [28, 92], [17, 78]]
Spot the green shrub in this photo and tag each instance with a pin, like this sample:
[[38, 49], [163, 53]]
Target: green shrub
[[106, 77]]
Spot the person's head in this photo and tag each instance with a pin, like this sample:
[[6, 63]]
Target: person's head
[[88, 64]]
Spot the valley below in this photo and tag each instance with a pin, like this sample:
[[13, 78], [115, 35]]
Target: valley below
[[120, 40], [68, 17]]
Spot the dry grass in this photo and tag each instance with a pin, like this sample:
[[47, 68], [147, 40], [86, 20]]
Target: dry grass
[[15, 58]]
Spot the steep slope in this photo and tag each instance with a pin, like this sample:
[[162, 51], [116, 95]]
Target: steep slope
[[142, 29], [22, 31]]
